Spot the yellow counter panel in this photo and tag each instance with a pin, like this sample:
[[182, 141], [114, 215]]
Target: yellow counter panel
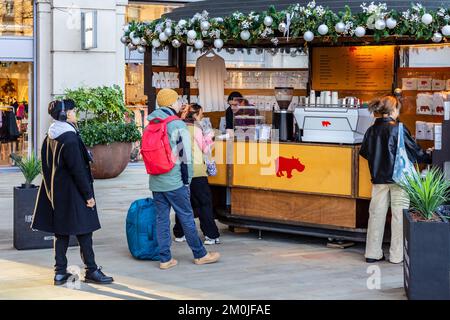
[[320, 169]]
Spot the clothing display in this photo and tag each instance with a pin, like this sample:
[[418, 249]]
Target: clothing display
[[8, 129], [211, 74]]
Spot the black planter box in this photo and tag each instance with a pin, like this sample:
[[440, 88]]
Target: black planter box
[[426, 266], [25, 237]]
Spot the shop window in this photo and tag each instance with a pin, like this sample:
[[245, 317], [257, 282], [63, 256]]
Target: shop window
[[16, 18], [15, 109], [148, 12]]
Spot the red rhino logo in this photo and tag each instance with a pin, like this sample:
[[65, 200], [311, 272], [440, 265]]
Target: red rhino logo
[[286, 164], [425, 108], [326, 123], [440, 109]]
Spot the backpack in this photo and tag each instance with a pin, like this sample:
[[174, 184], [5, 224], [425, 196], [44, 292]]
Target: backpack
[[141, 230], [156, 150]]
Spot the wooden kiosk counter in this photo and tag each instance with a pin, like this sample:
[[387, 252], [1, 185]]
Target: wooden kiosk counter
[[305, 188]]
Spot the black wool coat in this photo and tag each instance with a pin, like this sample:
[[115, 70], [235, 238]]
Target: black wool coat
[[66, 186]]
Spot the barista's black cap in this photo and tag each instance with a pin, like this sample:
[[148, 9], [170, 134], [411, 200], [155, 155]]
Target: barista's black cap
[[55, 107]]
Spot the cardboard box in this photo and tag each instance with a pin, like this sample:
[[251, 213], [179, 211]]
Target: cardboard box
[[438, 84], [424, 84], [409, 84]]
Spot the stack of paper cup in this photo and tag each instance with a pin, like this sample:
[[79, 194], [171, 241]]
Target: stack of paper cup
[[312, 97], [334, 98], [327, 97]]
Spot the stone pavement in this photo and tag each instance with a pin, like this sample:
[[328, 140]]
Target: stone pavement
[[276, 267]]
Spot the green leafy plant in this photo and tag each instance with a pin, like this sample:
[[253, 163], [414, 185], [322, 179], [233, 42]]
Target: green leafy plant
[[103, 114], [426, 192], [30, 167]]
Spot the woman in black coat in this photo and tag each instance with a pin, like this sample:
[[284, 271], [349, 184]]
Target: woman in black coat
[[66, 204]]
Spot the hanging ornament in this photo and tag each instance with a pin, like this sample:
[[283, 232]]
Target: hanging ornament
[[446, 30], [163, 37], [282, 27], [322, 29], [339, 27], [308, 36], [141, 49], [427, 18], [245, 35], [360, 31], [143, 42], [126, 28], [124, 39], [391, 23], [380, 24], [190, 41], [132, 35], [182, 23], [268, 21], [218, 43], [136, 41], [192, 34], [231, 50], [198, 44], [168, 32], [176, 43], [205, 25], [131, 47], [156, 43], [437, 37]]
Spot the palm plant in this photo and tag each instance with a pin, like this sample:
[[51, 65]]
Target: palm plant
[[428, 192], [30, 167]]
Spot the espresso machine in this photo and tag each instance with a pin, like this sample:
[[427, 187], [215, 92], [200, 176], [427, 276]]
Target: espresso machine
[[283, 118]]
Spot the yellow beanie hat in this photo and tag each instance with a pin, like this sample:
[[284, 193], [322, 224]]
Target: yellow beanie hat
[[166, 97]]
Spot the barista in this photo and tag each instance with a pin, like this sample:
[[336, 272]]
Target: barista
[[233, 106]]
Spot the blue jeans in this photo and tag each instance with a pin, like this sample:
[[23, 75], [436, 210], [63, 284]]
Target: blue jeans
[[180, 201]]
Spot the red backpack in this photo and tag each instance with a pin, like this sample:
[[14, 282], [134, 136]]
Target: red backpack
[[156, 150]]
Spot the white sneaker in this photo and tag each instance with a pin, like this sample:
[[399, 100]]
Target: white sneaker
[[209, 241], [182, 239]]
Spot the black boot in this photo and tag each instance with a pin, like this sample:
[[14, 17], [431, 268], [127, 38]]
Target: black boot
[[97, 277], [370, 260], [61, 279]]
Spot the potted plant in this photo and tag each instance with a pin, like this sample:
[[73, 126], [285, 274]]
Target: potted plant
[[24, 203], [426, 236], [105, 129]]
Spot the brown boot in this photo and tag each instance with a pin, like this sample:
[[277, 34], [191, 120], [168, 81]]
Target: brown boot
[[210, 257], [169, 264]]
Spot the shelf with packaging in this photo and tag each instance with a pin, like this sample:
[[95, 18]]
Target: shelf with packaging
[[244, 92]]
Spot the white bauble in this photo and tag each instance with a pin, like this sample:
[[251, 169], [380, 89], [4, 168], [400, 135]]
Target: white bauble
[[190, 41], [427, 18], [163, 37], [156, 43], [182, 23], [360, 31], [168, 32], [136, 41], [218, 43], [282, 27], [446, 30], [192, 34], [380, 24], [132, 34], [131, 47], [391, 23], [143, 42], [176, 43], [141, 49], [308, 36], [198, 44], [124, 39], [205, 25], [437, 37], [322, 29], [245, 35], [339, 27], [126, 28], [268, 21]]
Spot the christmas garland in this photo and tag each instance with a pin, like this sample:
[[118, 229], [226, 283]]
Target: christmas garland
[[296, 22]]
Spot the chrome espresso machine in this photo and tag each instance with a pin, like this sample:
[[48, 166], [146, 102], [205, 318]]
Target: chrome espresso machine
[[346, 122]]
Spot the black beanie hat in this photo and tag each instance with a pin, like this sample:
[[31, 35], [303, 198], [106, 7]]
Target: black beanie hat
[[55, 107]]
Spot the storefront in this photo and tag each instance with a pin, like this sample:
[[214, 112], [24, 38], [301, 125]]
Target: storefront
[[312, 181]]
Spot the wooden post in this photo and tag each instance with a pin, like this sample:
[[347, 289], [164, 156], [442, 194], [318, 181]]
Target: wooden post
[[182, 69], [149, 90]]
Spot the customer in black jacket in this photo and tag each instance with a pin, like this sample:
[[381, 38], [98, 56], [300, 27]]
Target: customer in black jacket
[[379, 148], [66, 203]]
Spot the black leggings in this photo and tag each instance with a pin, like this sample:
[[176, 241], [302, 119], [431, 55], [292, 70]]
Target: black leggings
[[86, 251], [201, 201]]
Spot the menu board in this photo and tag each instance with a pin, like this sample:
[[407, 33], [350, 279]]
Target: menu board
[[353, 68]]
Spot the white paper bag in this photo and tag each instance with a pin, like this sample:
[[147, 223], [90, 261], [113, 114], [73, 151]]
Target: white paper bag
[[424, 102]]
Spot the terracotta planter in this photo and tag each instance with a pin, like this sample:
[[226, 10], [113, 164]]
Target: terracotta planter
[[110, 160]]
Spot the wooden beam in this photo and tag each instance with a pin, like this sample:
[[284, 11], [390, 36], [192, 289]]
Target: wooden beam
[[149, 90]]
